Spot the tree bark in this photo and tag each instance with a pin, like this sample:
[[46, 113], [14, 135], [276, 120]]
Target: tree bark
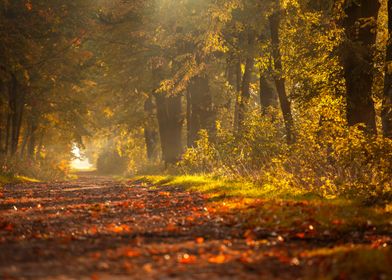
[[243, 103], [16, 107], [267, 92], [245, 92], [238, 75], [201, 113], [1, 125], [386, 114], [37, 155], [26, 137], [7, 132], [170, 127], [280, 82], [150, 133], [357, 61], [32, 140]]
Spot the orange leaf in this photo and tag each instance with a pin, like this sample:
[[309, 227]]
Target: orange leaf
[[187, 259], [93, 230], [190, 218], [9, 227], [128, 252], [337, 222], [171, 227], [217, 259], [300, 235], [96, 255], [199, 240], [167, 194], [118, 228]]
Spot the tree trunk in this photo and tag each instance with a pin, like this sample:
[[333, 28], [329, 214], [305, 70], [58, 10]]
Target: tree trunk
[[357, 61], [1, 126], [267, 92], [32, 140], [245, 92], [246, 80], [40, 145], [386, 114], [170, 127], [238, 74], [201, 113], [16, 108], [279, 79], [150, 133], [7, 132], [26, 137]]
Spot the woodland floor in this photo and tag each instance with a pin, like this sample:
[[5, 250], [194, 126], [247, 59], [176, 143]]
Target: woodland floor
[[100, 228]]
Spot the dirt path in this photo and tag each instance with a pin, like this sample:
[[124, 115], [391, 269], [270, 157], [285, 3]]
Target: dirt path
[[97, 228]]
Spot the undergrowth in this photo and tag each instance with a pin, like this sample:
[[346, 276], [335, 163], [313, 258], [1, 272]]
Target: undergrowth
[[328, 159], [15, 169]]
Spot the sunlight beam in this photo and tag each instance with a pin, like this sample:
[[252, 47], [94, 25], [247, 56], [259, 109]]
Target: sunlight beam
[[80, 162]]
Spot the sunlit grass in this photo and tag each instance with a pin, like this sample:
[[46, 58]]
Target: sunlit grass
[[289, 210], [219, 187], [4, 179]]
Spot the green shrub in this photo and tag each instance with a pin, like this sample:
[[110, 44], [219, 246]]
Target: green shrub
[[42, 169], [110, 162], [328, 158]]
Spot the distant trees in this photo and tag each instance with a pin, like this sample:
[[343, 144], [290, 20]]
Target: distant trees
[[41, 62], [138, 68], [250, 47]]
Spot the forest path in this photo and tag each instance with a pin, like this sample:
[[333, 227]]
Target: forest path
[[100, 228]]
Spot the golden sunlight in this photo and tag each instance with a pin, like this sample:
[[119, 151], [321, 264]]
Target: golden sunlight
[[80, 162]]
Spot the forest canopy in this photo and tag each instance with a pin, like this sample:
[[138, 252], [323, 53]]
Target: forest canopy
[[290, 94]]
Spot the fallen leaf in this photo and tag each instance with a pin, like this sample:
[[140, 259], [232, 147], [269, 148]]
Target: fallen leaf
[[199, 240], [128, 252], [187, 259], [147, 267], [218, 259], [167, 194]]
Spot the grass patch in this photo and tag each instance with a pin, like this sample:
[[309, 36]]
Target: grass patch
[[226, 188], [8, 179], [303, 214]]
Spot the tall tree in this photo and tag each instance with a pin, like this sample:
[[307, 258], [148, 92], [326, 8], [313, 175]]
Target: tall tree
[[359, 23], [201, 114], [150, 132], [246, 78], [170, 120], [386, 113], [280, 83]]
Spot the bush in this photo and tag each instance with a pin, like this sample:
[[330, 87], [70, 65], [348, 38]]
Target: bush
[[110, 162], [235, 155], [42, 169], [329, 158]]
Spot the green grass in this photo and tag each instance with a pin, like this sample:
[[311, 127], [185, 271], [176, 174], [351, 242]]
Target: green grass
[[289, 207], [8, 179], [225, 188]]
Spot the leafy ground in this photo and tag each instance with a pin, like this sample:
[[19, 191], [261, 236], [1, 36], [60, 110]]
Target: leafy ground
[[162, 228]]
